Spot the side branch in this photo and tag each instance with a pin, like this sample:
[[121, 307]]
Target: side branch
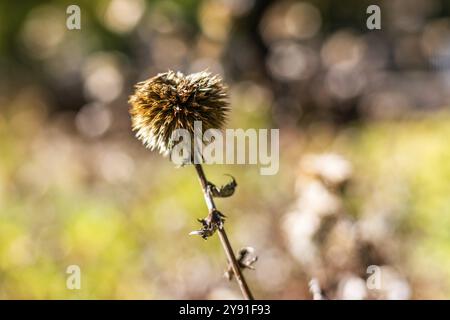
[[214, 217]]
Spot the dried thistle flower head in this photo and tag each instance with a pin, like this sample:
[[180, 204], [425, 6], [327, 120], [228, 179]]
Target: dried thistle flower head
[[171, 101]]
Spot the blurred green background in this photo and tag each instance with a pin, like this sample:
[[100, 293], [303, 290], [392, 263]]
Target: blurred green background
[[364, 153]]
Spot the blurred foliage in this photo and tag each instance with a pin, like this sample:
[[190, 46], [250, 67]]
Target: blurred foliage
[[407, 162], [76, 188]]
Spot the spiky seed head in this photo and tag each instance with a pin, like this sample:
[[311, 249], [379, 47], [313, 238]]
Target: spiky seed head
[[171, 101]]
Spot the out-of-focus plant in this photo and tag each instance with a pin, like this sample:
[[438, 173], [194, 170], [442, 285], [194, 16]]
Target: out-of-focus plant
[[335, 249]]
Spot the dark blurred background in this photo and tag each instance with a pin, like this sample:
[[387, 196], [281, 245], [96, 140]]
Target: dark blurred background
[[364, 126]]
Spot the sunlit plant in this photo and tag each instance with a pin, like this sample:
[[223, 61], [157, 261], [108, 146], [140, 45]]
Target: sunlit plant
[[171, 101]]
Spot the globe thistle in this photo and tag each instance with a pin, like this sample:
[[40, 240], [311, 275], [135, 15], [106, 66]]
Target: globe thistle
[[171, 101]]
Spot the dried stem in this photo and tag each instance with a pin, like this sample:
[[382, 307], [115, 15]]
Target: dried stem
[[223, 236]]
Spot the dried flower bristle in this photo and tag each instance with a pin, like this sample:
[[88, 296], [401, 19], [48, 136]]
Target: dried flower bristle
[[171, 101]]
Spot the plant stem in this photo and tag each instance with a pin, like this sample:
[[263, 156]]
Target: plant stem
[[223, 237]]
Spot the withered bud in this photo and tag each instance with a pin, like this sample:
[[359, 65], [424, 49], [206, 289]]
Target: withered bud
[[171, 101]]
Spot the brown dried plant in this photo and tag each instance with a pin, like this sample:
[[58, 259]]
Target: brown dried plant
[[171, 101]]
